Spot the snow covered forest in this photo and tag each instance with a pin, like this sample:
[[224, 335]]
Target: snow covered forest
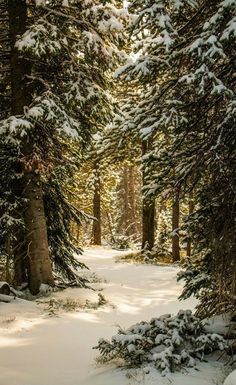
[[117, 192]]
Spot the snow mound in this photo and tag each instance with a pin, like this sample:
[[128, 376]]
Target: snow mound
[[231, 379]]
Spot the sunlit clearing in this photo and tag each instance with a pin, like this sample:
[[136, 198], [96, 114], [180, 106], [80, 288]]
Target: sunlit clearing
[[12, 342], [126, 308], [87, 317]]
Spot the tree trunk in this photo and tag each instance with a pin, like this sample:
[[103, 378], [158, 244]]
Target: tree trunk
[[126, 216], [148, 210], [36, 242], [108, 215], [175, 226], [36, 234], [148, 220], [17, 13], [132, 217], [125, 219], [190, 211], [96, 231]]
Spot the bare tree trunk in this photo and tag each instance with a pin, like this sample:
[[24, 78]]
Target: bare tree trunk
[[126, 218], [110, 227], [190, 211], [36, 234], [123, 222], [148, 211], [175, 227], [17, 13], [148, 220], [96, 230], [132, 217], [36, 241]]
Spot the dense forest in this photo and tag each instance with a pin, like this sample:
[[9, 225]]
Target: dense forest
[[118, 131]]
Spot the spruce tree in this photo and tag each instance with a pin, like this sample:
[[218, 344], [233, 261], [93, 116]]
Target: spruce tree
[[59, 55], [185, 66]]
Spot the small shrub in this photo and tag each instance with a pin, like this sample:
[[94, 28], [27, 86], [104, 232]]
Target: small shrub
[[168, 342], [54, 306]]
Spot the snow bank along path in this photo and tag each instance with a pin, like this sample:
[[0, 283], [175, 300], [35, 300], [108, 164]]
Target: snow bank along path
[[38, 350]]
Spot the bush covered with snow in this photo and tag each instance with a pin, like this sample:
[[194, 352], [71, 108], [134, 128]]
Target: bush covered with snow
[[168, 342]]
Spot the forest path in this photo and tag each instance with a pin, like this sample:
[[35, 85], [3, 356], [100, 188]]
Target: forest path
[[58, 350]]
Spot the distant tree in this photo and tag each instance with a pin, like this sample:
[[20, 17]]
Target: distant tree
[[148, 206], [97, 232], [175, 228], [184, 66]]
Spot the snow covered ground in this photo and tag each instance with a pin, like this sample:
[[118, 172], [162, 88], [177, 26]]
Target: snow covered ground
[[231, 379], [36, 349]]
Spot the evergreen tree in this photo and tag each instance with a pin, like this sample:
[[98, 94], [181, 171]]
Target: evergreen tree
[[124, 141], [185, 66], [60, 55]]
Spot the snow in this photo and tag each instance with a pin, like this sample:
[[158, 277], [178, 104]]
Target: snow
[[230, 30], [14, 125], [37, 39], [220, 325], [231, 379], [110, 24], [40, 2], [36, 349]]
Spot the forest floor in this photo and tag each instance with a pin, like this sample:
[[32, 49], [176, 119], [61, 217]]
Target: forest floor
[[43, 345]]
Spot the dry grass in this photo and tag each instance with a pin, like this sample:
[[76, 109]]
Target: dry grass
[[138, 258]]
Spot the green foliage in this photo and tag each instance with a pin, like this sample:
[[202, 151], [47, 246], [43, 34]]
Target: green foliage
[[69, 50], [186, 105], [169, 343]]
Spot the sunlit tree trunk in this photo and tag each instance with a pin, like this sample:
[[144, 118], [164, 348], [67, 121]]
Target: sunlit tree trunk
[[96, 230], [109, 222], [126, 214], [132, 208]]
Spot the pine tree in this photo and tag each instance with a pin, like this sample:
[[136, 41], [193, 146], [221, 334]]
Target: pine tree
[[60, 54], [128, 204], [124, 141], [185, 66]]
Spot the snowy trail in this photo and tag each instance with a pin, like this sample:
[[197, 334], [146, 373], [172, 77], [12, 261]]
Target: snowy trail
[[58, 351]]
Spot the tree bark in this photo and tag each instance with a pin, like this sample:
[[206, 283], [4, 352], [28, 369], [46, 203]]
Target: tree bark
[[36, 241], [36, 234], [175, 226], [190, 211], [17, 13], [148, 210], [108, 215], [132, 217], [148, 221], [126, 217], [96, 231]]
